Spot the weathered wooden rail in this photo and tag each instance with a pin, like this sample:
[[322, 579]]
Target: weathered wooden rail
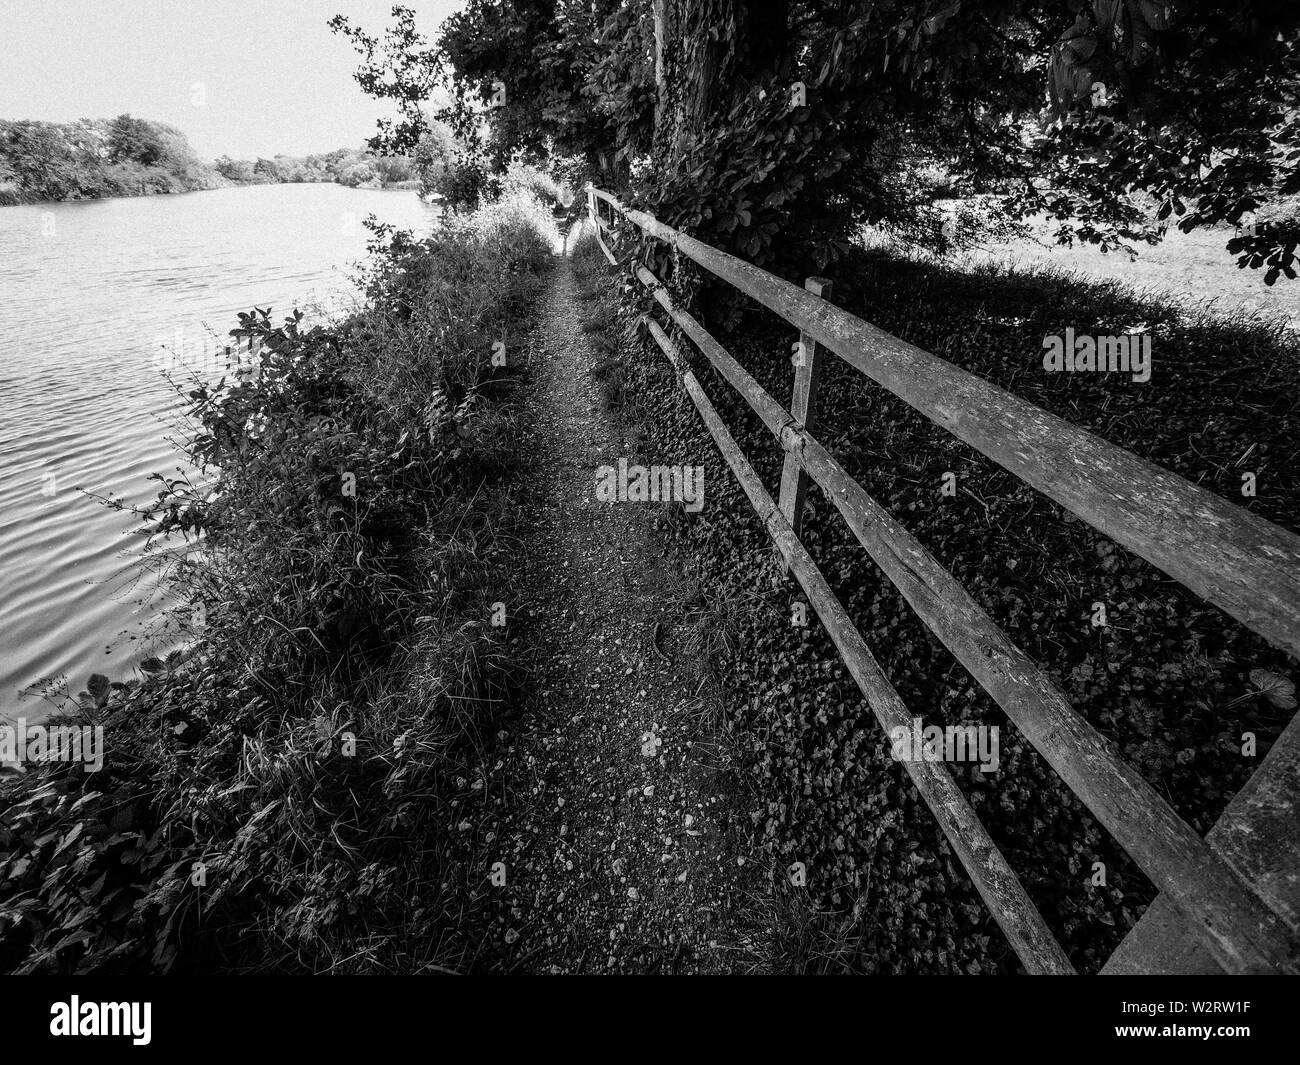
[[1226, 911]]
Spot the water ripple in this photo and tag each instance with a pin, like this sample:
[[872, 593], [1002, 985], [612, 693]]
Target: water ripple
[[92, 296]]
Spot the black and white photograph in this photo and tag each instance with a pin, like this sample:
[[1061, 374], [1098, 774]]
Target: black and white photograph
[[650, 488]]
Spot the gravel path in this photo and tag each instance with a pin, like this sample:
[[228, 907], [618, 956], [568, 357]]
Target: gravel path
[[613, 811]]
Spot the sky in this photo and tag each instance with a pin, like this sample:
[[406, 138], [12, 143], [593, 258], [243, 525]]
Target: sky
[[244, 78]]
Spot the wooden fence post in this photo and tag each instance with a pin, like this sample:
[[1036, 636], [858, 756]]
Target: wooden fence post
[[598, 223], [807, 372]]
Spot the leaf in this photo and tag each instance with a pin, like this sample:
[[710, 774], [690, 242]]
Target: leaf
[[70, 838], [1277, 689], [1158, 14], [85, 800], [98, 686]]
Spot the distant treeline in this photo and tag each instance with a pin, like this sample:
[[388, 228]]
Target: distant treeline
[[127, 156], [347, 166]]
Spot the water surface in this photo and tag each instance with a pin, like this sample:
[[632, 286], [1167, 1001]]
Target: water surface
[[95, 298]]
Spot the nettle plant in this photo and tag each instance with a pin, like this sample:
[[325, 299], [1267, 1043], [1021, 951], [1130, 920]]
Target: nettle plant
[[321, 484]]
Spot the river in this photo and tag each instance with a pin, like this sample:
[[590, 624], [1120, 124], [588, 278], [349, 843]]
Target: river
[[95, 298]]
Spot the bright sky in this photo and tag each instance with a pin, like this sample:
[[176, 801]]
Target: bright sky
[[274, 79]]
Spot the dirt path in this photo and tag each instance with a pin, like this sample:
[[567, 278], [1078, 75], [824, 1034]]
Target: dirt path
[[622, 849]]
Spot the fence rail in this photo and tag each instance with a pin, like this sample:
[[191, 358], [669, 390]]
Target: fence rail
[[1247, 566]]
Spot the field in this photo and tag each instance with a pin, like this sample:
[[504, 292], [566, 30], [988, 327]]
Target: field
[[1191, 268]]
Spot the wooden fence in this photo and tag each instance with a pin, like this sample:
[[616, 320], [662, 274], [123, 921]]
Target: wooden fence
[[1224, 905]]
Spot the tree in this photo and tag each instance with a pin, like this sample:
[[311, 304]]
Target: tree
[[362, 173], [391, 169], [514, 75], [234, 169], [267, 170], [434, 154], [1194, 107], [41, 159], [1199, 108], [135, 140], [775, 129]]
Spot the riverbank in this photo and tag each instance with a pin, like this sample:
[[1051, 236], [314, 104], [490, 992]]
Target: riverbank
[[162, 185], [281, 797], [12, 198], [52, 162], [157, 282]]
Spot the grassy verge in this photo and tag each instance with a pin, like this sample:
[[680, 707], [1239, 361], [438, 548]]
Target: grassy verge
[[1167, 679], [284, 795], [1192, 268]]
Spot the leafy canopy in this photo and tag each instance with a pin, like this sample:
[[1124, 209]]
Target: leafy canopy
[[783, 126]]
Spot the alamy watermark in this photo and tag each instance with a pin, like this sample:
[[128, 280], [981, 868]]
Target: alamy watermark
[[79, 1018], [950, 743], [651, 484], [1129, 353], [21, 743]]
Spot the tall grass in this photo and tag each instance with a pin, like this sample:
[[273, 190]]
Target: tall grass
[[284, 796]]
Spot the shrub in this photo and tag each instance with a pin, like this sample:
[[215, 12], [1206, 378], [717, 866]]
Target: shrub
[[518, 230], [267, 170], [393, 168], [434, 153], [41, 159], [358, 174], [234, 169], [332, 616], [521, 177], [462, 182], [134, 139]]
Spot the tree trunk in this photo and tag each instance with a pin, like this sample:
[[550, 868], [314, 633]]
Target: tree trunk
[[712, 55], [661, 79]]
